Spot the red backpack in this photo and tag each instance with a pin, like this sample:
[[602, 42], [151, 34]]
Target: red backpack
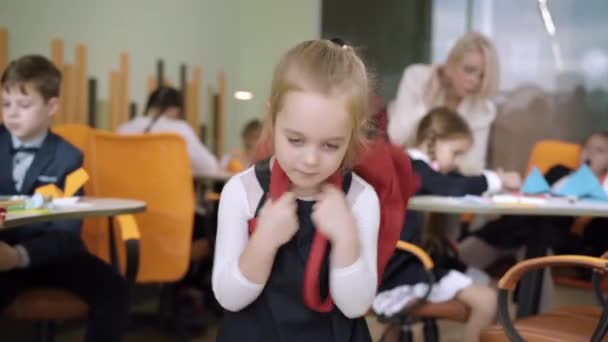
[[387, 169]]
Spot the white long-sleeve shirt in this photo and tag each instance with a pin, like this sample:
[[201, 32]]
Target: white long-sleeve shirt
[[352, 287], [202, 161], [405, 112]]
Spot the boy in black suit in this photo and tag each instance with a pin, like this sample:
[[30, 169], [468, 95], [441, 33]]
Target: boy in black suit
[[51, 254]]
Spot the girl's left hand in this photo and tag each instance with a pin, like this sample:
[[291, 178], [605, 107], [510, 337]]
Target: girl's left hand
[[331, 214]]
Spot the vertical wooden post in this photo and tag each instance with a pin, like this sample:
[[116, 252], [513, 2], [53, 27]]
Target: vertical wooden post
[[160, 72], [92, 103], [124, 89], [81, 81], [67, 95], [114, 99], [195, 100], [57, 52], [57, 58]]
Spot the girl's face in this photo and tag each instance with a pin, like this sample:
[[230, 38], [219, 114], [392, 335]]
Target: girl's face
[[173, 112], [312, 133], [448, 152], [466, 75], [595, 154]]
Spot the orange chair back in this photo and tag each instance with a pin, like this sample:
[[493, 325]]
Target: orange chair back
[[154, 168], [549, 153], [94, 233], [80, 136]]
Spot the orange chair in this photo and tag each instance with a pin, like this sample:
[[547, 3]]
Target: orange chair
[[81, 136], [154, 168], [421, 310], [578, 324], [47, 305], [548, 153], [545, 155]]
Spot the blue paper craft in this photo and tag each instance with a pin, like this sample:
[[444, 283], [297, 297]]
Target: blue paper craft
[[535, 183], [583, 183]]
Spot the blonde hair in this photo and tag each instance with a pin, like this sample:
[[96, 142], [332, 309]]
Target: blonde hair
[[328, 68], [438, 124], [474, 41]]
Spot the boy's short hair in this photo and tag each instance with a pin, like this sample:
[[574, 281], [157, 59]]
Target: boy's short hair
[[35, 70]]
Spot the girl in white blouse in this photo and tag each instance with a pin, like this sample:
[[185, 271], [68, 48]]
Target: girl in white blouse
[[465, 84], [264, 244], [163, 115]]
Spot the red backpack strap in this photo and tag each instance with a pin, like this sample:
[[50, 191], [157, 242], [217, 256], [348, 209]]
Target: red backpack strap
[[275, 182], [311, 291]]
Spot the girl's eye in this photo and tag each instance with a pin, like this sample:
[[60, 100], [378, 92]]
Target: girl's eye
[[295, 141], [330, 147]]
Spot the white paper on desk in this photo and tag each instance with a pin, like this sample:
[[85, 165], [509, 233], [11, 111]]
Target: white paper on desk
[[69, 203], [475, 199], [518, 199], [63, 201]]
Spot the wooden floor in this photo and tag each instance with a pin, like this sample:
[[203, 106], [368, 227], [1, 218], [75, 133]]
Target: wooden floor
[[450, 332]]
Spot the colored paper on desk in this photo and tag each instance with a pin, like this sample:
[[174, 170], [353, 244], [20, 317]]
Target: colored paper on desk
[[583, 184], [535, 183], [73, 182]]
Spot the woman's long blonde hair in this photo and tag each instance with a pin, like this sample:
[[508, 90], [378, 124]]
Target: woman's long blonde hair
[[475, 41], [328, 68]]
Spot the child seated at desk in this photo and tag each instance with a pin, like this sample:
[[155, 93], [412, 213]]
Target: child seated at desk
[[506, 235], [163, 114], [442, 138], [237, 161], [51, 254]]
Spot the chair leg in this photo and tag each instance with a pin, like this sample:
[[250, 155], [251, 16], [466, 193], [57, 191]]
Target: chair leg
[[430, 329], [602, 326], [46, 331], [405, 333]]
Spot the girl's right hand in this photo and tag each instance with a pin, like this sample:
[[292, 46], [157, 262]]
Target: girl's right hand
[[278, 220], [433, 86], [511, 180]]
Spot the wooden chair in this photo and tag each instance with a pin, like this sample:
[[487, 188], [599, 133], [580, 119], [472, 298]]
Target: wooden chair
[[574, 324]]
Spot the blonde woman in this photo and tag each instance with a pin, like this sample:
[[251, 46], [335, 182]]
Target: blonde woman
[[465, 83]]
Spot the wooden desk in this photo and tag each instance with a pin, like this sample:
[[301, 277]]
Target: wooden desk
[[85, 207], [537, 244]]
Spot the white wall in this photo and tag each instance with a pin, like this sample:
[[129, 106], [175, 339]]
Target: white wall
[[243, 37]]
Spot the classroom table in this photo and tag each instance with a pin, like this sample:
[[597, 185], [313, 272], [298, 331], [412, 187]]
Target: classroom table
[[536, 246], [84, 208]]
